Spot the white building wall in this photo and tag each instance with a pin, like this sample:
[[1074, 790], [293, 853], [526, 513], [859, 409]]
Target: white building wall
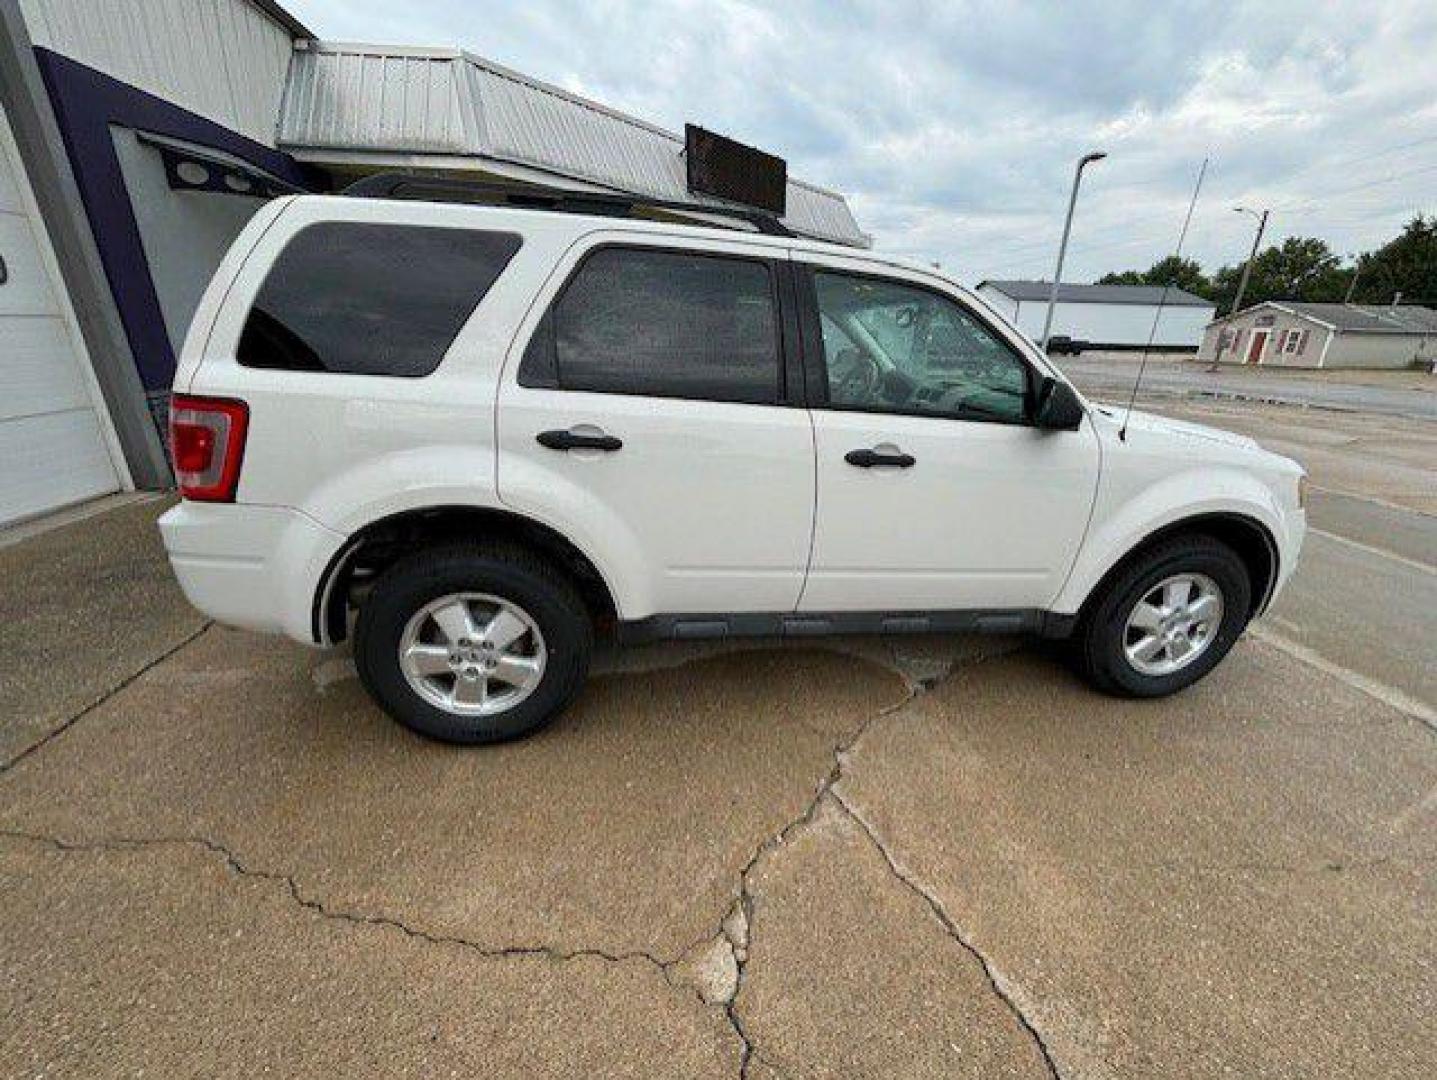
[[1107, 324], [56, 443], [223, 59], [1119, 324], [184, 233], [1380, 350]]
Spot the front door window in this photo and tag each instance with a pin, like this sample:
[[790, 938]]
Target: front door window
[[891, 347]]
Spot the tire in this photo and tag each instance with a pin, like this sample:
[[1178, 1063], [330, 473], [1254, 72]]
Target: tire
[[404, 611], [1106, 641]]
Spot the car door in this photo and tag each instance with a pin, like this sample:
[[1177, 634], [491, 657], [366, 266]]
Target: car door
[[648, 420], [935, 491]]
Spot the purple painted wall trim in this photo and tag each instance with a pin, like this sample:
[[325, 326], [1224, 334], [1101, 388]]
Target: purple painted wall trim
[[86, 103]]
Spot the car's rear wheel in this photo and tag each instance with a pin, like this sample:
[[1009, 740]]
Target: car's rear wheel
[[473, 644], [1166, 619]]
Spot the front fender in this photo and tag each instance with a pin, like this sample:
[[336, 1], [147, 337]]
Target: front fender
[[1120, 524]]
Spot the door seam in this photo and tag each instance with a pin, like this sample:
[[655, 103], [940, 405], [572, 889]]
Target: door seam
[[813, 518]]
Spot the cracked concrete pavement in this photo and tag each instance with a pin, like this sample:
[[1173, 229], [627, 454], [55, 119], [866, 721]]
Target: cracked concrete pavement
[[160, 959], [915, 857], [130, 614]]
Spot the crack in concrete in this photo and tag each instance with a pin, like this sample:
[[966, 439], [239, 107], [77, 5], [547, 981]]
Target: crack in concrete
[[70, 721], [915, 686], [237, 866], [999, 984], [735, 929]]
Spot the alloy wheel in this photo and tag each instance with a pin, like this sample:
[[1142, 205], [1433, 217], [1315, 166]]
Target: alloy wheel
[[1173, 624], [472, 654]]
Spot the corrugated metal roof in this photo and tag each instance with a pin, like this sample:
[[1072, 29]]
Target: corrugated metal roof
[[446, 102], [1098, 294], [1367, 318]]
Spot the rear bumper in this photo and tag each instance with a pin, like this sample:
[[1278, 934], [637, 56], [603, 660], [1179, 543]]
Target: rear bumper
[[254, 567]]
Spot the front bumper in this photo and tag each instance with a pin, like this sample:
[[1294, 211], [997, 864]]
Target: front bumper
[[1289, 550], [253, 567]]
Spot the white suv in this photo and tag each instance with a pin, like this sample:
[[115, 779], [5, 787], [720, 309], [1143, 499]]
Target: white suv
[[471, 436]]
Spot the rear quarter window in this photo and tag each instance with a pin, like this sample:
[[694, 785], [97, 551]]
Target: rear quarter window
[[370, 299]]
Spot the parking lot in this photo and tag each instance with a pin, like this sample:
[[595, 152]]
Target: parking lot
[[908, 857]]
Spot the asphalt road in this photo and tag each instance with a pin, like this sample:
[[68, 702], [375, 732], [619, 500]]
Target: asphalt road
[[1114, 378], [910, 857]]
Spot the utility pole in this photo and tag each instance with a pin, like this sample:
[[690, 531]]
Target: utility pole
[[1247, 267], [1242, 281], [1083, 162], [1352, 285]]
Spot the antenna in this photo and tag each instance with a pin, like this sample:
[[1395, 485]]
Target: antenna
[[1162, 302]]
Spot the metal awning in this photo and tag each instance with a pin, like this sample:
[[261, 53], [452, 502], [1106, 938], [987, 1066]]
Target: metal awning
[[447, 109]]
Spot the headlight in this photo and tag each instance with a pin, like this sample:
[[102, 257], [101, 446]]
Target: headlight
[[1303, 486]]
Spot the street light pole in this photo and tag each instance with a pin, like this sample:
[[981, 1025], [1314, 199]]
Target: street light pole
[[1083, 162], [1247, 267]]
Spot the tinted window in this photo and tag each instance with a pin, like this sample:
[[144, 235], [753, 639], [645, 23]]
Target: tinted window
[[370, 299], [664, 324], [896, 348]]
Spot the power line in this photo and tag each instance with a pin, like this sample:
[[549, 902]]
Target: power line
[[1358, 160], [1301, 206], [1357, 187]]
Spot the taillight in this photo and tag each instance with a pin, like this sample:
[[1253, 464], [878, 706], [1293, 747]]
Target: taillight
[[206, 444]]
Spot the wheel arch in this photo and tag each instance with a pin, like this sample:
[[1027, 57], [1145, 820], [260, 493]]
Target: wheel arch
[[1249, 538], [375, 546]]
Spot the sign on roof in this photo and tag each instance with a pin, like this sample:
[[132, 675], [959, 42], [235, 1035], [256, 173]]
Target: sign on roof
[[730, 170]]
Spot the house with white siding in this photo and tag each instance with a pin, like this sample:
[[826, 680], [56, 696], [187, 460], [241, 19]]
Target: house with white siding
[[1291, 333]]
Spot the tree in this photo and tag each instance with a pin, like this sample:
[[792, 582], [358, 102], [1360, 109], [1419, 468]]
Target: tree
[[1405, 264], [1175, 271], [1300, 268], [1305, 268], [1180, 273]]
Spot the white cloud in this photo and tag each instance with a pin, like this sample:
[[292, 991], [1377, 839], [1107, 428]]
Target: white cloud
[[953, 126]]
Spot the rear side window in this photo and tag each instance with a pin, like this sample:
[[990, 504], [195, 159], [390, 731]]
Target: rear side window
[[370, 299], [662, 324]]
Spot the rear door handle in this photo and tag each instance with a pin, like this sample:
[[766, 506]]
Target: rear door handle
[[579, 440], [869, 459]]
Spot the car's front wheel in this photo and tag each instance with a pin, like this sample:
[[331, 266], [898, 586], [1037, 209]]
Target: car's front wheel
[[1166, 619], [473, 643]]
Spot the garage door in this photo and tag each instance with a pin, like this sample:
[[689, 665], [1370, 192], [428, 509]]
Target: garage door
[[53, 449]]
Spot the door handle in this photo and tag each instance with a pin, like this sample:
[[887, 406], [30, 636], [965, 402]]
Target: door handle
[[578, 440], [869, 459]]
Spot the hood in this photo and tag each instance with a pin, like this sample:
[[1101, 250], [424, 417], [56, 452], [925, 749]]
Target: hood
[[1161, 425]]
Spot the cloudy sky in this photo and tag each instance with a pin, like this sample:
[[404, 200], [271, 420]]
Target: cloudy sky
[[952, 126]]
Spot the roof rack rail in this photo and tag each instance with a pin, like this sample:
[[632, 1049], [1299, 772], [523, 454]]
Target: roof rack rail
[[406, 185]]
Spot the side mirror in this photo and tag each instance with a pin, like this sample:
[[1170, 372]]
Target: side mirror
[[1058, 407]]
